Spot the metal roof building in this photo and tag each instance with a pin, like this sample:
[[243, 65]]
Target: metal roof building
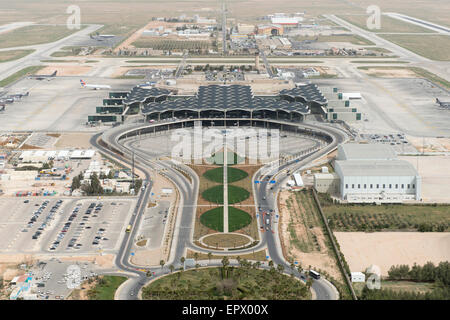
[[227, 101], [355, 151], [372, 173]]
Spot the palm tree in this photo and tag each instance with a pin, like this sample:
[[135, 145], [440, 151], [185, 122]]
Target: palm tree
[[270, 263], [209, 256], [162, 263], [280, 268], [299, 268], [195, 256], [225, 261], [309, 283], [182, 260], [171, 267], [148, 273], [238, 258]]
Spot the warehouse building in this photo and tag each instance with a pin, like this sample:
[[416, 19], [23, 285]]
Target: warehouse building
[[372, 173]]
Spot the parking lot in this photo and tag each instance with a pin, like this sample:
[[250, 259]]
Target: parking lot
[[63, 226], [397, 141]]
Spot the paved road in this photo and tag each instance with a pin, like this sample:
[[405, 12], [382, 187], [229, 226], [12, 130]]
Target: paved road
[[188, 197]]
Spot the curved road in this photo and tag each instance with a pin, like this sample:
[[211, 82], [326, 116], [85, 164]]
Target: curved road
[[182, 238]]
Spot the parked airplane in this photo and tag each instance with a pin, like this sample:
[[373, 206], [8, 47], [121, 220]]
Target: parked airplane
[[443, 104], [43, 76], [14, 97], [94, 86]]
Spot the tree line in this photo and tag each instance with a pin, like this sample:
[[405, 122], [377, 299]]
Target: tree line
[[426, 273]]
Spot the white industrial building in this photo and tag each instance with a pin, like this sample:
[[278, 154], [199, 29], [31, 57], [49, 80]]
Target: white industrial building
[[43, 155], [372, 173]]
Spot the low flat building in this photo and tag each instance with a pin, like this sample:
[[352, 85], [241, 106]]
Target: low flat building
[[326, 183], [358, 277]]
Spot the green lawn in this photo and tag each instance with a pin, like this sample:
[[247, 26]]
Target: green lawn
[[237, 194], [106, 288], [31, 35], [237, 219], [213, 219], [231, 284], [234, 174], [214, 194], [19, 74]]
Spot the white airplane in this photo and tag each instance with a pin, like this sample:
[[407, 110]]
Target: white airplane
[[94, 86]]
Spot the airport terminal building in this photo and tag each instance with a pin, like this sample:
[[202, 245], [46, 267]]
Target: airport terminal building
[[213, 101], [372, 173]]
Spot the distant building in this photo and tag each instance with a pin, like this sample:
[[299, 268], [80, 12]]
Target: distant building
[[270, 30], [358, 277], [372, 173]]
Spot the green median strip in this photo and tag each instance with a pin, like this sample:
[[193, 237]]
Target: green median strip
[[19, 74]]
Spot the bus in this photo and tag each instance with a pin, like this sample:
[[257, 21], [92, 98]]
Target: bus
[[314, 274], [128, 228]]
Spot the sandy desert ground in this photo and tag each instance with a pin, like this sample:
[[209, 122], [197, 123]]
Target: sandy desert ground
[[385, 249]]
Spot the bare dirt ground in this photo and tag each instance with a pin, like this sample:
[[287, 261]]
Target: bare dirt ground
[[386, 249], [319, 256], [430, 144], [82, 293], [66, 70], [104, 261], [148, 257], [121, 71], [72, 140], [390, 73], [435, 173]]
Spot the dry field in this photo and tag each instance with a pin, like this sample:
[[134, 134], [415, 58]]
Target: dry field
[[301, 233], [137, 13], [66, 70], [72, 140], [389, 72], [388, 24], [386, 249]]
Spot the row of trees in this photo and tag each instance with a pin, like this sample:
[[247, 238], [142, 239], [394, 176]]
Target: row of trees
[[94, 187], [439, 293], [426, 273]]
